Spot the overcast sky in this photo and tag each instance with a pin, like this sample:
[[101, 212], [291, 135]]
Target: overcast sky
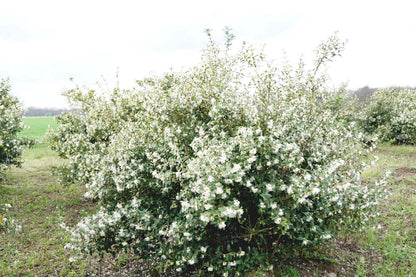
[[44, 43]]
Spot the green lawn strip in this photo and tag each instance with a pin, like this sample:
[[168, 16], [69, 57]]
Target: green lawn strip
[[399, 158], [37, 127], [397, 149]]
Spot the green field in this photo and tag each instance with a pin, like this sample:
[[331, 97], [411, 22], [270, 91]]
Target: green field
[[40, 204], [38, 127]]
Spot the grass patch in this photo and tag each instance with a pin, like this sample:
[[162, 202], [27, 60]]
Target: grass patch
[[393, 240], [40, 204], [394, 158], [38, 127]]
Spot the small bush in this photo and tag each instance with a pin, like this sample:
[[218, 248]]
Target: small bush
[[11, 146], [11, 123], [216, 170], [391, 114]]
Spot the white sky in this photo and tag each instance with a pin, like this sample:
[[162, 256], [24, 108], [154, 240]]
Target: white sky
[[44, 42]]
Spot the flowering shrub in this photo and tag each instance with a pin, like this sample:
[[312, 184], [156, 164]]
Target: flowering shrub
[[391, 114], [218, 169], [11, 146], [11, 123]]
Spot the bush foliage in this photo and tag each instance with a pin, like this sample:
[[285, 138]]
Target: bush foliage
[[11, 123], [11, 146], [218, 169], [391, 114]]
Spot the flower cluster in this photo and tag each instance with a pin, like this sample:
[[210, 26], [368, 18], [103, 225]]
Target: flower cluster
[[7, 224], [216, 169]]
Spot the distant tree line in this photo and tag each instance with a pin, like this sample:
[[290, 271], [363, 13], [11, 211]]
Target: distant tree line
[[364, 94], [33, 111]]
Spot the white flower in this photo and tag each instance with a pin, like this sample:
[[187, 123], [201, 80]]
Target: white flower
[[19, 228], [326, 236], [223, 158], [219, 190], [315, 190], [252, 159], [121, 233], [185, 205], [204, 218], [221, 225], [334, 198], [116, 216], [236, 168]]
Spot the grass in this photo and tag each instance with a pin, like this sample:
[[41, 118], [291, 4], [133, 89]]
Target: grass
[[40, 204], [393, 242], [38, 127]]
